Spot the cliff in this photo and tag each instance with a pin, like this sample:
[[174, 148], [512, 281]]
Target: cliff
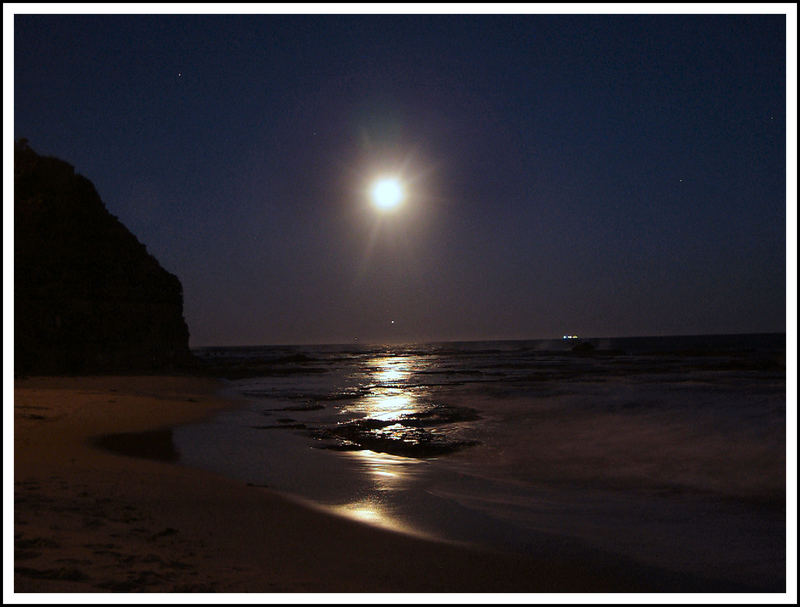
[[88, 297]]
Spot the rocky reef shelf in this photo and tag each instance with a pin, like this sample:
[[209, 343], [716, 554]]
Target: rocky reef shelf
[[420, 434]]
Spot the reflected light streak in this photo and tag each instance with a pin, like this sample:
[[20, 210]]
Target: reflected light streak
[[391, 369], [388, 400], [373, 512], [369, 511], [391, 375], [390, 471], [366, 514], [389, 404]]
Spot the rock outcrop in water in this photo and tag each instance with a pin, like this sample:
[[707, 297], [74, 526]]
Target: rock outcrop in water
[[88, 297], [409, 435]]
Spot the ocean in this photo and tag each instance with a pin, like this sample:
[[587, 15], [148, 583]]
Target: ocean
[[667, 453]]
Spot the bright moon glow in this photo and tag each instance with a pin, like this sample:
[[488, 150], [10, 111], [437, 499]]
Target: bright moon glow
[[387, 193]]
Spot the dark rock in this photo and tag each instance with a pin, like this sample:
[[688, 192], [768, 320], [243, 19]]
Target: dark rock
[[88, 296], [351, 394], [239, 370], [342, 446], [409, 435], [440, 414], [411, 442], [307, 407]]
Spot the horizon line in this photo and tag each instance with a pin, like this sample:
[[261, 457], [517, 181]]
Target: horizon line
[[467, 341]]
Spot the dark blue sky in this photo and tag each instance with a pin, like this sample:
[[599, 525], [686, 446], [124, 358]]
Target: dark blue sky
[[599, 175]]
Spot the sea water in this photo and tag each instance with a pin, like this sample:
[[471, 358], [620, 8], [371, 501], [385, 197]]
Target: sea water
[[668, 451]]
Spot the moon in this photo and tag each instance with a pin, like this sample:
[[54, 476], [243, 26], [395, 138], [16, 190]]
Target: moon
[[387, 193]]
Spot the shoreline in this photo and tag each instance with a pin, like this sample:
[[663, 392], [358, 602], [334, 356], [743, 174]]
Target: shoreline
[[89, 520]]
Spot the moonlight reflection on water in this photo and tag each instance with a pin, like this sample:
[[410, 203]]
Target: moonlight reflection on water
[[668, 450]]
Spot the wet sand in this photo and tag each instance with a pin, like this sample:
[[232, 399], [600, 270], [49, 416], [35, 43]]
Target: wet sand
[[90, 520]]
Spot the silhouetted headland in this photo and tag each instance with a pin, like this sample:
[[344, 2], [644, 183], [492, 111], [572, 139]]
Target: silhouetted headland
[[88, 297]]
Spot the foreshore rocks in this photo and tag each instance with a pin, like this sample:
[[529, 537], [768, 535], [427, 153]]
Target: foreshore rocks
[[253, 366], [412, 435], [88, 297]]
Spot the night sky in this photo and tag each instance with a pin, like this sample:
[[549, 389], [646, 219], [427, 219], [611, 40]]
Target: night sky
[[592, 175]]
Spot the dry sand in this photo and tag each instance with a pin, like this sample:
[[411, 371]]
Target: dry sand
[[88, 520]]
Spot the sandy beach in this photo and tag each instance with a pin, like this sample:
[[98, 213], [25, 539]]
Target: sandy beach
[[89, 520]]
